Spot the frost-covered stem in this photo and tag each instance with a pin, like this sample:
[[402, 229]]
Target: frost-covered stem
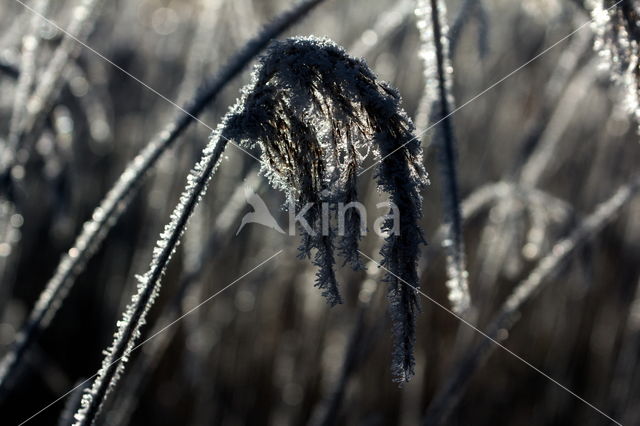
[[449, 395], [9, 69], [591, 225], [129, 327], [140, 373], [617, 42], [439, 72], [116, 201]]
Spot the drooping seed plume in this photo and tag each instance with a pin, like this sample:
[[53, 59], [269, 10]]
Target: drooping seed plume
[[316, 114]]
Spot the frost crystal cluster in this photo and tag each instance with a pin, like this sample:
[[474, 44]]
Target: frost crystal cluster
[[617, 34], [316, 114]]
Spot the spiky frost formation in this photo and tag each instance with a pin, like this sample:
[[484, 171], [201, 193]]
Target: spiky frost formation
[[316, 114], [617, 34], [438, 75]]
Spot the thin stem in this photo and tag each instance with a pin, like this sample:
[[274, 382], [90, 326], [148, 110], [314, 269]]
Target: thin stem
[[134, 317], [438, 77]]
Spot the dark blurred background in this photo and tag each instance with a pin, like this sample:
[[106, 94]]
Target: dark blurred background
[[268, 350]]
